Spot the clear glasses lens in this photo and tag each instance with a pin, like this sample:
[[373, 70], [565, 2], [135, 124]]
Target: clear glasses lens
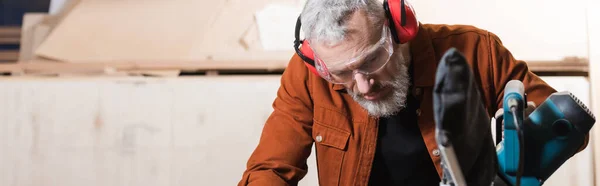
[[367, 64]]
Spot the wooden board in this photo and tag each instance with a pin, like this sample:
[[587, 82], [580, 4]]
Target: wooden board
[[132, 131], [9, 55], [9, 40], [568, 65], [10, 31], [9, 36], [36, 28], [52, 67], [33, 33], [158, 30]]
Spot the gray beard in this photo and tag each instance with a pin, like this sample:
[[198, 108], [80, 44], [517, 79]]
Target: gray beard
[[392, 103]]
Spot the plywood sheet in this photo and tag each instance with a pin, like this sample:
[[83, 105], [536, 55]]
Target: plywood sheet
[[149, 30], [9, 55], [132, 131], [33, 33]]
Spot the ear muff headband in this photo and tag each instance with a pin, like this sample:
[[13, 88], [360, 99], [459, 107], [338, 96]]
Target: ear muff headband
[[390, 18], [402, 20], [304, 52]]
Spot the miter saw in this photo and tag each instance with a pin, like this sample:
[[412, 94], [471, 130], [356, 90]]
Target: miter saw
[[534, 145]]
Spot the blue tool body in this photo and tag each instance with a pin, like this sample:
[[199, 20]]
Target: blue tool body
[[513, 106], [552, 134]]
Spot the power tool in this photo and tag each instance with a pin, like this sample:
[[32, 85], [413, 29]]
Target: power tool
[[514, 103], [536, 146]]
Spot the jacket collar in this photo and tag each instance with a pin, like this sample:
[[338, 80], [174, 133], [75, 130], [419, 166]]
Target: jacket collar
[[424, 62]]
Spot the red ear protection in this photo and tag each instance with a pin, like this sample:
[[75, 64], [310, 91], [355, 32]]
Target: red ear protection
[[305, 52], [402, 22]]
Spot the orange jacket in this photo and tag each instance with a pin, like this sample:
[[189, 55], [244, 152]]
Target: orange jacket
[[308, 110]]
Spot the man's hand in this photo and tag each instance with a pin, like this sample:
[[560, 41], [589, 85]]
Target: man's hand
[[530, 108]]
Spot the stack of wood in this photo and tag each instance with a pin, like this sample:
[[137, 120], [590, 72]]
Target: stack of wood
[[138, 37], [10, 38]]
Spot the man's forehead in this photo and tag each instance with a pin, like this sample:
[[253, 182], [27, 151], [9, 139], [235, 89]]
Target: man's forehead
[[361, 33], [354, 44]]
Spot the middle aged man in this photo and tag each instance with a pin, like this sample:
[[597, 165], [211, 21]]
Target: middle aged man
[[360, 90]]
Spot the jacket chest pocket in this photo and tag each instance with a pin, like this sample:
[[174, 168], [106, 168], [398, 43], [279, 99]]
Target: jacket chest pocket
[[330, 144]]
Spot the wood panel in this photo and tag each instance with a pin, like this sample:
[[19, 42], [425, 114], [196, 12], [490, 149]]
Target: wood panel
[[9, 55], [10, 31], [51, 67], [158, 30], [33, 31], [152, 131], [10, 37], [132, 131], [9, 40], [567, 65]]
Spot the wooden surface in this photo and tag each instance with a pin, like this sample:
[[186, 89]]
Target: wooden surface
[[34, 31], [572, 64], [9, 55], [132, 131], [9, 31], [48, 67], [10, 38], [45, 67], [157, 131]]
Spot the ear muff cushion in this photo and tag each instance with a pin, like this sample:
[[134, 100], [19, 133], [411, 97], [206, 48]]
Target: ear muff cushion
[[307, 51], [408, 31], [308, 57]]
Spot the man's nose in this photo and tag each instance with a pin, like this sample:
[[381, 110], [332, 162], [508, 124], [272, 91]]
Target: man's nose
[[363, 83]]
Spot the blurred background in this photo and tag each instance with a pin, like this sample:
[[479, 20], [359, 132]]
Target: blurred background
[[175, 92]]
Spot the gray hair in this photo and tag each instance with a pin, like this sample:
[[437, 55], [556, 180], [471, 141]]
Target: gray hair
[[324, 20]]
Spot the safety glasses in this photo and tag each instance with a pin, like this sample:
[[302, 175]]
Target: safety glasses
[[368, 62]]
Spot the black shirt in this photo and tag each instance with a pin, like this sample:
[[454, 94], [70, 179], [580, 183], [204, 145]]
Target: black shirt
[[401, 157]]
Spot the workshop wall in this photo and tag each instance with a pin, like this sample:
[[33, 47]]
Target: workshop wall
[[530, 29], [132, 131]]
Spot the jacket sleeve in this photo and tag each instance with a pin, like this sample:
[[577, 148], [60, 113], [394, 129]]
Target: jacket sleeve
[[504, 67], [286, 142]]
